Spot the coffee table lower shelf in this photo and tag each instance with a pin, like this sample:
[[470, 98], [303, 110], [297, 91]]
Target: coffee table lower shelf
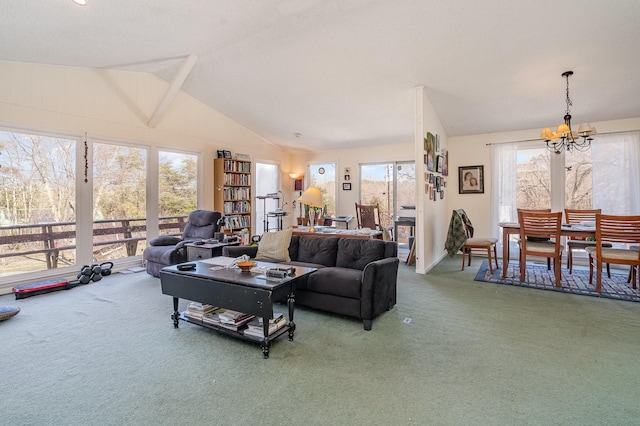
[[265, 343]]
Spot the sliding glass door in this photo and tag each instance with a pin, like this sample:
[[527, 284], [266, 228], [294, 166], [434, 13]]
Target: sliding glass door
[[391, 186]]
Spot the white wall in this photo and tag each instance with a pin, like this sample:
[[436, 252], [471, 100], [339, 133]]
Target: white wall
[[432, 221], [117, 105]]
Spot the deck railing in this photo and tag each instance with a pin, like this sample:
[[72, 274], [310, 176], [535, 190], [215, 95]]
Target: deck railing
[[52, 238]]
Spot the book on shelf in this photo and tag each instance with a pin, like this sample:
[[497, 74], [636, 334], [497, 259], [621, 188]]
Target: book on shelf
[[237, 325], [195, 317], [230, 316], [201, 308], [213, 317], [276, 317], [254, 327]]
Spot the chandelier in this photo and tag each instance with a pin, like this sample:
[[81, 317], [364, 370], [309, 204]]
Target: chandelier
[[564, 138]]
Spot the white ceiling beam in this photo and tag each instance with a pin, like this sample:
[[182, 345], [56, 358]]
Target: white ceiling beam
[[172, 91]]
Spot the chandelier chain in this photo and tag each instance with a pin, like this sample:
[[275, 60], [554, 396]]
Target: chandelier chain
[[569, 103]]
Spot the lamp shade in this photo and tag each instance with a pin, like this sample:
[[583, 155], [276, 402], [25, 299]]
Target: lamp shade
[[311, 197], [547, 134], [586, 129], [563, 129]]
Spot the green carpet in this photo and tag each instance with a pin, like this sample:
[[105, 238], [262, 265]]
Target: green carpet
[[452, 352], [539, 277]]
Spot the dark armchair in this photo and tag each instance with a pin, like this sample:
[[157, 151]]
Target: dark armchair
[[168, 250]]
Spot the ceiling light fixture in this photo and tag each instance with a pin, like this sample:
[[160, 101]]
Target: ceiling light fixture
[[80, 2], [564, 138]]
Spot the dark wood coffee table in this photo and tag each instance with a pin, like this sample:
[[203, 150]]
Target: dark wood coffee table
[[247, 292]]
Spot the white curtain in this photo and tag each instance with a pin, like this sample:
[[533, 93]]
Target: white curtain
[[616, 173], [615, 169], [503, 183]]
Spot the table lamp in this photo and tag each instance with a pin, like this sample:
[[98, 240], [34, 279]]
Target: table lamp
[[312, 198]]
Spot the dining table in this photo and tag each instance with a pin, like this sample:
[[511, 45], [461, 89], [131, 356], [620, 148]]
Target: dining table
[[566, 230]]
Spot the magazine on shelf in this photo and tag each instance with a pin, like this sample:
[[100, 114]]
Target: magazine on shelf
[[254, 327]]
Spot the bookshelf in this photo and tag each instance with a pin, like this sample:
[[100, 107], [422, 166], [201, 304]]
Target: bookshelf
[[232, 192]]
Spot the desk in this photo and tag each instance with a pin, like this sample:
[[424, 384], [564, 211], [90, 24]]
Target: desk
[[278, 215], [513, 228], [404, 221], [340, 233]]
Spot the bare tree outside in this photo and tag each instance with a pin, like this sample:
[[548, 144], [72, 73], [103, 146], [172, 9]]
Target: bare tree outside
[[37, 176], [534, 179]]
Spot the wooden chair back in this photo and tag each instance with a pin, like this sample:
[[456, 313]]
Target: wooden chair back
[[575, 216], [540, 224], [618, 229], [540, 236], [368, 216], [615, 229]]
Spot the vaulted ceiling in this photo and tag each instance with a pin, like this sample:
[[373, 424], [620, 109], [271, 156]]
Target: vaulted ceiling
[[340, 73]]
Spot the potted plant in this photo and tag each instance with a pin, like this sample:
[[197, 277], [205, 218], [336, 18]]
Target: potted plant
[[304, 220]]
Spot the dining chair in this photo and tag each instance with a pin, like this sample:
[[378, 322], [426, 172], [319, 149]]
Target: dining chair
[[477, 243], [539, 239], [540, 236], [624, 230], [575, 217], [369, 216]]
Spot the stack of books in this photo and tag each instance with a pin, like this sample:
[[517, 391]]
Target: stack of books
[[234, 320], [255, 328], [197, 310], [212, 317]]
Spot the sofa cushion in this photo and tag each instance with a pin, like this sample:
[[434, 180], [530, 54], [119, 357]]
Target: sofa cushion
[[344, 282], [159, 254], [165, 240], [320, 250], [275, 245], [356, 254], [293, 247], [201, 224]]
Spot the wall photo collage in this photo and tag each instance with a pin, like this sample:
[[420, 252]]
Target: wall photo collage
[[436, 161]]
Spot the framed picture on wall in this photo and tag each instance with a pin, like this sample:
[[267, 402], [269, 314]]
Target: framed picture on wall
[[346, 186], [439, 163], [445, 162], [471, 180]]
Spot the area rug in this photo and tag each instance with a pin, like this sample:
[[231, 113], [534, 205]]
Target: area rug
[[539, 277]]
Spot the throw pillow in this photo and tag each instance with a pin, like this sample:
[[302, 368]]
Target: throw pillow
[[275, 245]]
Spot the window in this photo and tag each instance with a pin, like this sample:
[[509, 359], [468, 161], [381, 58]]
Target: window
[[266, 183], [533, 179], [119, 201], [391, 185], [66, 202], [38, 202], [323, 177], [177, 183], [578, 186]]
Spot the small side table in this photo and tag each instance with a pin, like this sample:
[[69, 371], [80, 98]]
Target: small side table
[[206, 251]]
